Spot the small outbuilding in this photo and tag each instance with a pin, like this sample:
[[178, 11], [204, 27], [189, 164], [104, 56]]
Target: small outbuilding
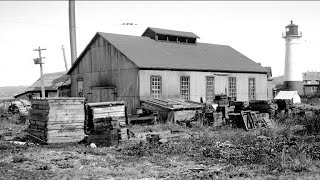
[[56, 85], [289, 95]]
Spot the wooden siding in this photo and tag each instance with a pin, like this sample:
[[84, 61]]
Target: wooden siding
[[171, 84], [105, 66]]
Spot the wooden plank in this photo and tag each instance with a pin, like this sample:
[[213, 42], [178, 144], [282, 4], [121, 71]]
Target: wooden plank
[[97, 120], [108, 109], [40, 122], [59, 118], [65, 139], [119, 118], [44, 126], [106, 103], [56, 133], [108, 115], [244, 119], [38, 111], [40, 106]]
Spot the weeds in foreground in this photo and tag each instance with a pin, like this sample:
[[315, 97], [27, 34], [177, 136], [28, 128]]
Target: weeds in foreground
[[276, 149]]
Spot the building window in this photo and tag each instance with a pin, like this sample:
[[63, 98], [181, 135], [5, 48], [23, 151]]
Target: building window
[[155, 87], [209, 89], [80, 88], [185, 87], [252, 89], [232, 87]]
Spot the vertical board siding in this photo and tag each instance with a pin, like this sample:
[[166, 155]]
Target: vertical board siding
[[103, 65], [171, 84]]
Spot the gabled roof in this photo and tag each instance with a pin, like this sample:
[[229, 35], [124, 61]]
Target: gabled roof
[[289, 95], [171, 32], [52, 81], [147, 53], [286, 94]]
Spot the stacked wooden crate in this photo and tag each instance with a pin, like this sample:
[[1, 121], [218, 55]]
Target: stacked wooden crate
[[105, 123], [218, 120], [57, 120]]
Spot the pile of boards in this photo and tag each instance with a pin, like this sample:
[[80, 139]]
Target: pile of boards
[[250, 120], [105, 123], [57, 120]]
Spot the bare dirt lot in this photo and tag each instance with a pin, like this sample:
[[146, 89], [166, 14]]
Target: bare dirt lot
[[223, 153]]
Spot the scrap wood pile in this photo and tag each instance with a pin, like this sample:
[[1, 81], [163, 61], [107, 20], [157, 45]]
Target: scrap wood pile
[[171, 110], [250, 120], [105, 123], [156, 137], [209, 116], [57, 120]]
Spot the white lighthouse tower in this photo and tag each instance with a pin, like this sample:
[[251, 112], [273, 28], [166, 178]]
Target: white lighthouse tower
[[292, 72]]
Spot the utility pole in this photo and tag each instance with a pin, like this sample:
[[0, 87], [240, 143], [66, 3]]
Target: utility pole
[[64, 57], [39, 61]]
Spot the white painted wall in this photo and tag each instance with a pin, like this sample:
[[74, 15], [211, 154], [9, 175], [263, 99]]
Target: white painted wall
[[171, 84], [293, 57]]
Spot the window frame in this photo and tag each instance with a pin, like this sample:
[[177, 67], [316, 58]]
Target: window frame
[[183, 96], [235, 87], [254, 89], [207, 93], [160, 84]]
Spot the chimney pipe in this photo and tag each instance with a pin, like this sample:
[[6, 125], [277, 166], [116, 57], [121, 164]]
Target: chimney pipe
[[72, 31]]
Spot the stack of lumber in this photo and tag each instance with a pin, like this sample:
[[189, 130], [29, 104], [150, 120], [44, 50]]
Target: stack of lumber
[[218, 121], [245, 119], [57, 120], [172, 110], [106, 123]]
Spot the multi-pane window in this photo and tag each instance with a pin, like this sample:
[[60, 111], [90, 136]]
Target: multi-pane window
[[209, 89], [80, 88], [185, 87], [232, 87], [252, 89], [155, 87]]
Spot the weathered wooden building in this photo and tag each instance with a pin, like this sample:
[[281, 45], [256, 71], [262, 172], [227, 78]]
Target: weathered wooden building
[[163, 64], [311, 82], [56, 85]]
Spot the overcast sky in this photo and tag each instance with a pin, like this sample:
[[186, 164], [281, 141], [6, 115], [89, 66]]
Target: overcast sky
[[252, 28]]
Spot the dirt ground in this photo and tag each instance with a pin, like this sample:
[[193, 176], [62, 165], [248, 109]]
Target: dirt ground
[[223, 153]]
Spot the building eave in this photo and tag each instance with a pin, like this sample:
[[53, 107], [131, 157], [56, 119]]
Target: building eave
[[199, 70]]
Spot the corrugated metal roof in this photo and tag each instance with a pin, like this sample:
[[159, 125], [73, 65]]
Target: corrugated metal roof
[[148, 53], [171, 32], [51, 81]]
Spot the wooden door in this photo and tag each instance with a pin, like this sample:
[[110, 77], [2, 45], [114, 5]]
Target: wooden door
[[107, 95], [102, 95]]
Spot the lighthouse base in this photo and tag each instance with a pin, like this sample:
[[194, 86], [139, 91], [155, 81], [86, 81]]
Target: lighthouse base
[[293, 86]]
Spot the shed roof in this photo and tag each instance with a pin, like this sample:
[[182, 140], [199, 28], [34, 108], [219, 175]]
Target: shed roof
[[171, 32], [52, 81], [147, 53], [286, 95]]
